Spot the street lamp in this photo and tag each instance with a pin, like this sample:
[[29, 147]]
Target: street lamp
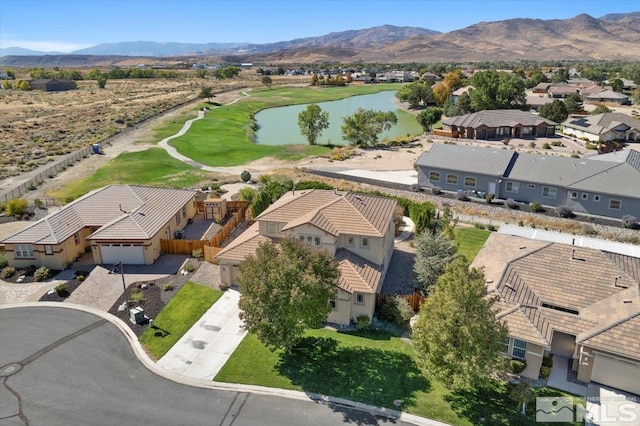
[[124, 286]]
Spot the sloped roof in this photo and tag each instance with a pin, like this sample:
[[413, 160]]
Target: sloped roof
[[122, 212], [601, 123], [357, 273], [587, 293], [481, 160], [606, 94], [243, 246], [497, 118]]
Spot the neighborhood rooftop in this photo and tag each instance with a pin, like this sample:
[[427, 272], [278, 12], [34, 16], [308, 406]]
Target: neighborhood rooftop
[[497, 118]]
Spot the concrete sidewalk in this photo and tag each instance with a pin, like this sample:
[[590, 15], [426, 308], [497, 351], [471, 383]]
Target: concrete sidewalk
[[206, 347]]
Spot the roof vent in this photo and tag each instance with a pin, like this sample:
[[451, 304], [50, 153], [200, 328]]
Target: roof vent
[[615, 283], [626, 301]]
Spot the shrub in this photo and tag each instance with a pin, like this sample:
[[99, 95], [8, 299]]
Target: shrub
[[80, 278], [312, 184], [478, 225], [545, 372], [245, 176], [7, 272], [491, 228], [489, 197], [197, 253], [61, 290], [547, 361], [363, 322], [556, 143], [16, 207], [3, 260], [38, 203], [565, 211], [630, 222], [168, 287], [517, 366], [591, 146], [396, 310], [137, 296], [511, 203], [436, 190], [189, 267], [41, 274], [536, 207], [546, 146]]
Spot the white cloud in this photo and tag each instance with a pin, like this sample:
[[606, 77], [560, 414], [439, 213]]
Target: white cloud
[[44, 46]]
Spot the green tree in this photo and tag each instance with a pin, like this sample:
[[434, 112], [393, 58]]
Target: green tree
[[555, 111], [428, 117], [285, 290], [561, 75], [16, 206], [617, 85], [573, 102], [433, 254], [314, 79], [23, 85], [267, 81], [7, 85], [365, 125], [247, 194], [522, 393], [457, 336], [201, 73], [102, 82], [260, 203], [416, 94], [206, 92], [94, 74], [312, 121], [600, 109]]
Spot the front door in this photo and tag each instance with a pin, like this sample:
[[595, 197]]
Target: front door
[[492, 188]]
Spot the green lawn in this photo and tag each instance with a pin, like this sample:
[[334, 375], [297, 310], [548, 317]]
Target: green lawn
[[152, 167], [220, 139], [182, 311], [470, 241], [374, 368]]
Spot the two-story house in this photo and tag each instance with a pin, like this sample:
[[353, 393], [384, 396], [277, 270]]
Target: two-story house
[[358, 230]]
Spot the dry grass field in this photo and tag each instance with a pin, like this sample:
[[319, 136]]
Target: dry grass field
[[37, 126]]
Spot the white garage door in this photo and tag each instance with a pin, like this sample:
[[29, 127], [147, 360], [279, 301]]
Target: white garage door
[[127, 253], [617, 374]]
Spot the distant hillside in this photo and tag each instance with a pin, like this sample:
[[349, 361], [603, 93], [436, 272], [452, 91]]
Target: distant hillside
[[155, 49], [23, 52]]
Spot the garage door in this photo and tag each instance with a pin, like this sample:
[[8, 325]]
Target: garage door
[[127, 253], [617, 374]]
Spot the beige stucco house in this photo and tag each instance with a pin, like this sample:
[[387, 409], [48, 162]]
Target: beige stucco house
[[358, 230], [567, 301], [116, 223], [608, 126]]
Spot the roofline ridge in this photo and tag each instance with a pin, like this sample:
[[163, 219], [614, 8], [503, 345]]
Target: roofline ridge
[[303, 193], [378, 233], [596, 173], [544, 320], [606, 326]]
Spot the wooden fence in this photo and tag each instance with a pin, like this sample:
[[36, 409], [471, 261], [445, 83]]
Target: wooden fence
[[231, 224], [415, 300], [182, 246], [210, 254]]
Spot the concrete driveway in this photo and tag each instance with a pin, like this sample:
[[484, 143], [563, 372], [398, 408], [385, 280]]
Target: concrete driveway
[[611, 407]]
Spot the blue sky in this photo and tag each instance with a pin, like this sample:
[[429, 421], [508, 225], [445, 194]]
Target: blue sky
[[66, 25]]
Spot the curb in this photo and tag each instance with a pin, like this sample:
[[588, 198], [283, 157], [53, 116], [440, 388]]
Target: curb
[[233, 387]]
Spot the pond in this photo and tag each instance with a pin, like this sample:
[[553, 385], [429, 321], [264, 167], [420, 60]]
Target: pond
[[279, 126]]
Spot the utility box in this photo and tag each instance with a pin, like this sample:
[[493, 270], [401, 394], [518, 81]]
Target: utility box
[[95, 148], [136, 315], [215, 209]]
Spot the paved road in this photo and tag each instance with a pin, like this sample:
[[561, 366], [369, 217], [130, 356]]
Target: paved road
[[65, 367]]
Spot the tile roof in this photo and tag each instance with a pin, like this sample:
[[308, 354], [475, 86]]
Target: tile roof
[[356, 273], [497, 118], [123, 212], [606, 94], [591, 294], [243, 246], [481, 160], [601, 123]]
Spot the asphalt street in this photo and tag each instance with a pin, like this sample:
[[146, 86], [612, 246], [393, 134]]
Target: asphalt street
[[65, 367]]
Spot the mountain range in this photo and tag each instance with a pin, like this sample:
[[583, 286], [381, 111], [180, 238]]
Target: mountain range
[[612, 36]]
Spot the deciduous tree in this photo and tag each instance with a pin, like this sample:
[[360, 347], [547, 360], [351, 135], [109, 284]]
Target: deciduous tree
[[365, 125], [428, 117], [206, 92], [312, 121], [267, 81], [496, 90], [285, 290], [457, 336], [416, 94], [555, 111]]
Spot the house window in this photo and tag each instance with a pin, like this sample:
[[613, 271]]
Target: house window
[[505, 346], [280, 226], [574, 194], [178, 218], [452, 179], [531, 186], [512, 187], [332, 304], [364, 242], [585, 196], [23, 251], [301, 238], [48, 249], [350, 240], [271, 227], [519, 348], [76, 238], [316, 241], [434, 176], [615, 204], [549, 192], [596, 198], [309, 240], [360, 298], [184, 211], [470, 181]]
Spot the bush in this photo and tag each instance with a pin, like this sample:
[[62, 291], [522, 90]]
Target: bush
[[565, 211], [545, 372], [546, 146], [197, 253], [137, 296], [630, 222], [479, 225], [3, 260], [245, 176], [396, 310], [592, 146], [16, 207], [61, 290], [312, 184], [547, 361], [491, 228], [7, 272], [80, 278], [511, 203], [41, 274], [517, 366], [363, 322], [189, 267], [168, 287], [536, 207], [489, 197]]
